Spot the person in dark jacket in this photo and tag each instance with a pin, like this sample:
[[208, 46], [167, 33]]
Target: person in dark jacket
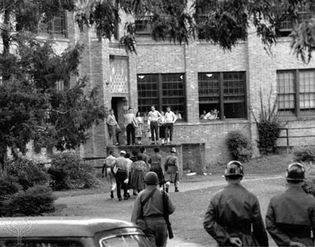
[[233, 217], [148, 211], [156, 165], [290, 218]]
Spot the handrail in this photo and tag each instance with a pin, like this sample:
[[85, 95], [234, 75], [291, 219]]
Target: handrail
[[287, 136]]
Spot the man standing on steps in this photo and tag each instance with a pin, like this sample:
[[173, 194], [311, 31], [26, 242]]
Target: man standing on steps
[[149, 211], [154, 116], [170, 119], [290, 218], [233, 217]]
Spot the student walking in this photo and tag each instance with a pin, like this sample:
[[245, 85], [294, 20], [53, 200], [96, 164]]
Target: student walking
[[233, 217], [121, 172], [107, 171], [290, 218], [171, 167], [151, 210], [156, 165], [138, 170]]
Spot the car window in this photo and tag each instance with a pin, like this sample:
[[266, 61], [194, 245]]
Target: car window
[[126, 241], [40, 243]]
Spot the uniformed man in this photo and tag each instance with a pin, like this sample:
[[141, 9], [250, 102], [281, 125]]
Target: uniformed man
[[290, 218], [149, 211], [233, 217]]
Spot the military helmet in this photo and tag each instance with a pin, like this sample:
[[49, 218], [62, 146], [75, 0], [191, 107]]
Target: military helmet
[[295, 172], [234, 169], [151, 178]]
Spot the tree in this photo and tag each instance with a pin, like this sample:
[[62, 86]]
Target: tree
[[31, 106], [34, 109], [223, 22]]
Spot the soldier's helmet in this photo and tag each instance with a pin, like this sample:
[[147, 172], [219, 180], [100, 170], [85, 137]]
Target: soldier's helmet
[[234, 169], [151, 178], [295, 172]]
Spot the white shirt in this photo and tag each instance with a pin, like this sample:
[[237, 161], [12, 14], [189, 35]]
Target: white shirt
[[154, 116], [170, 117]]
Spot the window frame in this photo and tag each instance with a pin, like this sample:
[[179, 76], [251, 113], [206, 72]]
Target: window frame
[[161, 97], [296, 112], [221, 95], [50, 26]]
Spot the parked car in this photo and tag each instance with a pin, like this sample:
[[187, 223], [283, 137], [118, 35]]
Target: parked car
[[69, 232]]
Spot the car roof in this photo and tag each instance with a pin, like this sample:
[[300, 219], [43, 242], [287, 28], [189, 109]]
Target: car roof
[[59, 226]]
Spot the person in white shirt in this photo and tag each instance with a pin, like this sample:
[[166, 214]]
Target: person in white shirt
[[107, 171], [131, 124], [170, 119], [154, 116]]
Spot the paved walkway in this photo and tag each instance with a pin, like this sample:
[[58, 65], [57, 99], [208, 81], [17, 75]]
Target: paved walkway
[[212, 182]]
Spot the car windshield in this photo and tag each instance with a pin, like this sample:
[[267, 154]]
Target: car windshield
[[126, 241]]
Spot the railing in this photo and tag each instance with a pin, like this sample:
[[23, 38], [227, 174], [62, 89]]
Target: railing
[[95, 158], [287, 135]]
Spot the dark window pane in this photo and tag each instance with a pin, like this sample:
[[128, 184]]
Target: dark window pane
[[173, 93], [234, 110], [286, 90], [147, 91], [56, 26]]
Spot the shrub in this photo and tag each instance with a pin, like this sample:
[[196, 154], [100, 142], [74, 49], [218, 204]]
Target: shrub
[[68, 172], [268, 126], [304, 154], [239, 146], [36, 200], [27, 173], [7, 187]]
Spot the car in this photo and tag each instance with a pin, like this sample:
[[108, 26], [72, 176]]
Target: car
[[70, 232]]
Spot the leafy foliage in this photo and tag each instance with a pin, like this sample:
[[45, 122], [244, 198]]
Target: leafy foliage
[[7, 187], [268, 126], [27, 173], [239, 146], [304, 154], [69, 172], [36, 200]]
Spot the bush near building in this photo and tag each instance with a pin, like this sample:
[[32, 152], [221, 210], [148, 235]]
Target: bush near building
[[304, 154], [239, 146], [67, 171], [25, 191]]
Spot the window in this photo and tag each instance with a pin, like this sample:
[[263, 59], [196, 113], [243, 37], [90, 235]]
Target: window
[[143, 25], [222, 94], [162, 90], [285, 27], [202, 12], [296, 91], [56, 26]]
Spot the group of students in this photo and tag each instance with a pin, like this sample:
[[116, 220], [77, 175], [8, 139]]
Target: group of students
[[127, 172], [157, 125], [233, 217]]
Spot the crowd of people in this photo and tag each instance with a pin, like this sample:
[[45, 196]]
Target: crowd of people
[[211, 115], [127, 171], [156, 126]]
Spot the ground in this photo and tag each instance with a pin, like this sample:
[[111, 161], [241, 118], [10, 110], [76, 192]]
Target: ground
[[264, 177]]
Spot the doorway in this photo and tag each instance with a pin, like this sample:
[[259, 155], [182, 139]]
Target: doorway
[[119, 105]]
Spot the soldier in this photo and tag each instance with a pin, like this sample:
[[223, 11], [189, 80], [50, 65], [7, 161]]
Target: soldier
[[233, 217], [290, 218], [151, 210]]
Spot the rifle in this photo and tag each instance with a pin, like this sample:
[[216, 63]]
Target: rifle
[[166, 216]]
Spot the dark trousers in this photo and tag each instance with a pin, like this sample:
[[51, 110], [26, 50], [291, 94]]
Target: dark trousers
[[169, 130], [156, 231], [131, 133], [154, 130], [120, 176]]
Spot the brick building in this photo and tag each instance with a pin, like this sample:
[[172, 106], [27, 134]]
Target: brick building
[[193, 78]]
